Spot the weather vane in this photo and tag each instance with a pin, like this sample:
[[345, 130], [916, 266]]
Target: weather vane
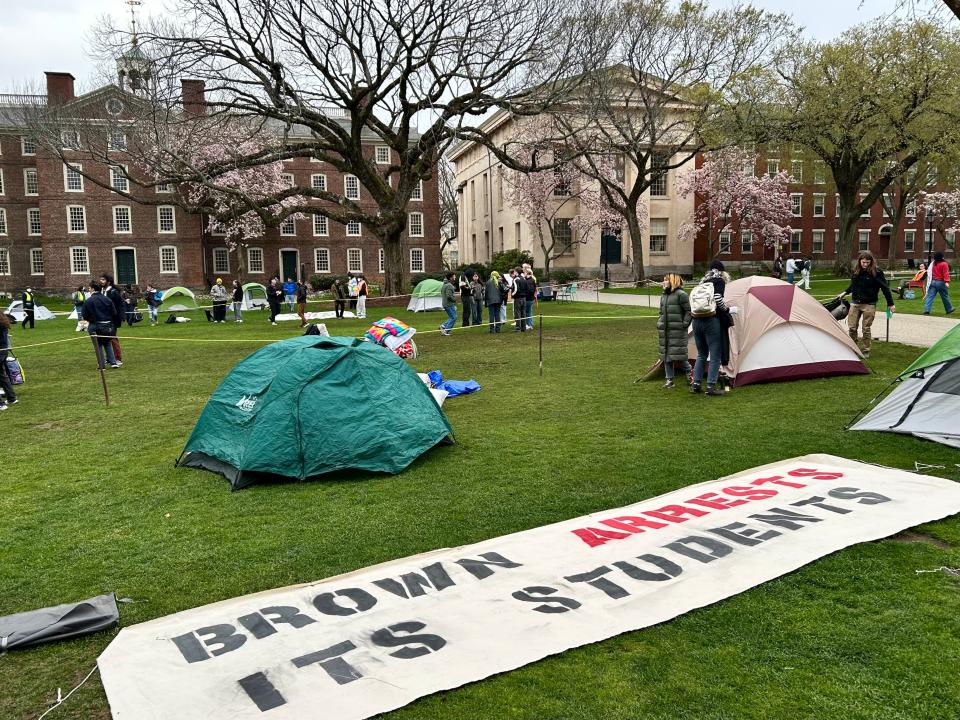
[[134, 4]]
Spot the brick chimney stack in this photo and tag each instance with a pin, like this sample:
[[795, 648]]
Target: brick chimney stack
[[59, 87], [192, 92]]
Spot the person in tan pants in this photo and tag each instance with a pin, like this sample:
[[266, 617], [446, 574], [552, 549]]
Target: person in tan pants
[[866, 284]]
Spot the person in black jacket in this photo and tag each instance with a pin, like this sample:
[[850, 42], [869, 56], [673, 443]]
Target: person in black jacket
[[101, 316], [28, 308], [519, 295], [866, 284], [113, 295], [274, 298], [237, 299], [339, 298], [302, 303], [710, 333], [9, 396]]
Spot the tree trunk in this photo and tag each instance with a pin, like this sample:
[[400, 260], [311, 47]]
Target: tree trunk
[[894, 234], [636, 244], [848, 228], [394, 278]]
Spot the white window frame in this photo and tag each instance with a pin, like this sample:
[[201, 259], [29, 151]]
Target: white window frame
[[417, 193], [822, 234], [33, 261], [84, 215], [911, 209], [909, 247], [822, 200], [869, 212], [318, 181], [288, 228], [3, 222], [5, 260], [30, 232], [796, 204], [358, 267], [162, 189], [317, 254], [796, 170], [377, 155], [380, 260], [173, 217], [414, 252], [723, 243], [288, 179], [23, 146], [113, 212], [36, 182], [358, 233], [250, 261], [819, 172], [176, 260], [746, 242], [861, 234], [324, 222], [85, 270], [77, 168], [123, 140], [221, 252], [836, 205], [773, 168], [411, 230], [123, 176], [347, 178], [2, 185], [661, 223], [796, 240]]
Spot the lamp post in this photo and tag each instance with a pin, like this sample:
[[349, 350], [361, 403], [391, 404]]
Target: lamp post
[[929, 235]]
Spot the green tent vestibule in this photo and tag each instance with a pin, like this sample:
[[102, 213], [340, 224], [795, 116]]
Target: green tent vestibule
[[312, 405]]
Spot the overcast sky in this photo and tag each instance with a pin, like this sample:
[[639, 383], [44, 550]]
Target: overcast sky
[[41, 35]]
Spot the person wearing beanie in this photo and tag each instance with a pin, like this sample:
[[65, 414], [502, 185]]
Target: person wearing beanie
[[220, 295]]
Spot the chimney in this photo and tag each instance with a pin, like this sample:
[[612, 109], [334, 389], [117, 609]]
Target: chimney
[[59, 87], [192, 92]]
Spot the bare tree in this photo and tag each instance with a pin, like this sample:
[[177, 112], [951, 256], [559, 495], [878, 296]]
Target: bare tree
[[675, 72], [449, 207], [329, 79]]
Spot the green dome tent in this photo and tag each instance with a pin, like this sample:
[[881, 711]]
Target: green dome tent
[[254, 296], [177, 298], [426, 296], [312, 405]]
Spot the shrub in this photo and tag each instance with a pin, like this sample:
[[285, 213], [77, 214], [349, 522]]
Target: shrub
[[325, 282], [503, 261], [563, 276]]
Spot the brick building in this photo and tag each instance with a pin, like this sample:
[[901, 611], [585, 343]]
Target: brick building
[[816, 220], [57, 228]]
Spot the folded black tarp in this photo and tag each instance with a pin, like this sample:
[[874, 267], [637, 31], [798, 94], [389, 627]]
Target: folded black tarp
[[58, 623]]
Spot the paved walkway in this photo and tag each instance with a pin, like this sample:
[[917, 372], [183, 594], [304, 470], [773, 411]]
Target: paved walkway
[[919, 330]]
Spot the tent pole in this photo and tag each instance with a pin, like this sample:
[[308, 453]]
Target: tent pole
[[100, 363], [540, 325]]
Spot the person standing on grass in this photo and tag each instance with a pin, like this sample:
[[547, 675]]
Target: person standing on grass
[[290, 292], [506, 287], [152, 299], [672, 327], [362, 291], [866, 284], [111, 293], [28, 303], [519, 295], [129, 305], [339, 298], [806, 265], [778, 267], [707, 308], [939, 285], [531, 299], [448, 299], [9, 396], [78, 296], [101, 317], [466, 298], [302, 303], [791, 270], [274, 298], [494, 301], [236, 297], [478, 293], [352, 291], [219, 294]]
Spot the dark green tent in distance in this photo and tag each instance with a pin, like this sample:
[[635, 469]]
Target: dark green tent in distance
[[313, 405]]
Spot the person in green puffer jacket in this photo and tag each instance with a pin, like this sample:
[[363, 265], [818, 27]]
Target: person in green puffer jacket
[[672, 327]]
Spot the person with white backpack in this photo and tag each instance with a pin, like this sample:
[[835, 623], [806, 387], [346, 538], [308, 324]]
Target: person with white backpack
[[706, 307]]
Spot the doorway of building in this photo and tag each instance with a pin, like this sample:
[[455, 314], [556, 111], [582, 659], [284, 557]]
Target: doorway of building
[[125, 263], [289, 264]]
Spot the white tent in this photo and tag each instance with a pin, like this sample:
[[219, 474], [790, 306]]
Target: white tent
[[254, 296], [926, 401], [39, 312], [426, 296]]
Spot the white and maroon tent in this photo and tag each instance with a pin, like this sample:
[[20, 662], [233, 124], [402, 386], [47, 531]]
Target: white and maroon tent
[[782, 333]]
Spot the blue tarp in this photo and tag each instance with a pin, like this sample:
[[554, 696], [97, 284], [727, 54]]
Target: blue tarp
[[453, 387]]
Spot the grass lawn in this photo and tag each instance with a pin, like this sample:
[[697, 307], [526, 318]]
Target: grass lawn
[[91, 503]]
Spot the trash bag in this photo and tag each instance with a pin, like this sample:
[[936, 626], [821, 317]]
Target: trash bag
[[14, 371], [452, 387], [60, 622]]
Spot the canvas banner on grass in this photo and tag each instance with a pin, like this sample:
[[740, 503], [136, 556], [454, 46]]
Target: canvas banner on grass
[[373, 640]]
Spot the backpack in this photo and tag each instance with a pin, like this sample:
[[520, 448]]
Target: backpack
[[702, 300]]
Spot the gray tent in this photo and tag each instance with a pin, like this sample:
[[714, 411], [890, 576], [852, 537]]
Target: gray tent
[[62, 622]]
